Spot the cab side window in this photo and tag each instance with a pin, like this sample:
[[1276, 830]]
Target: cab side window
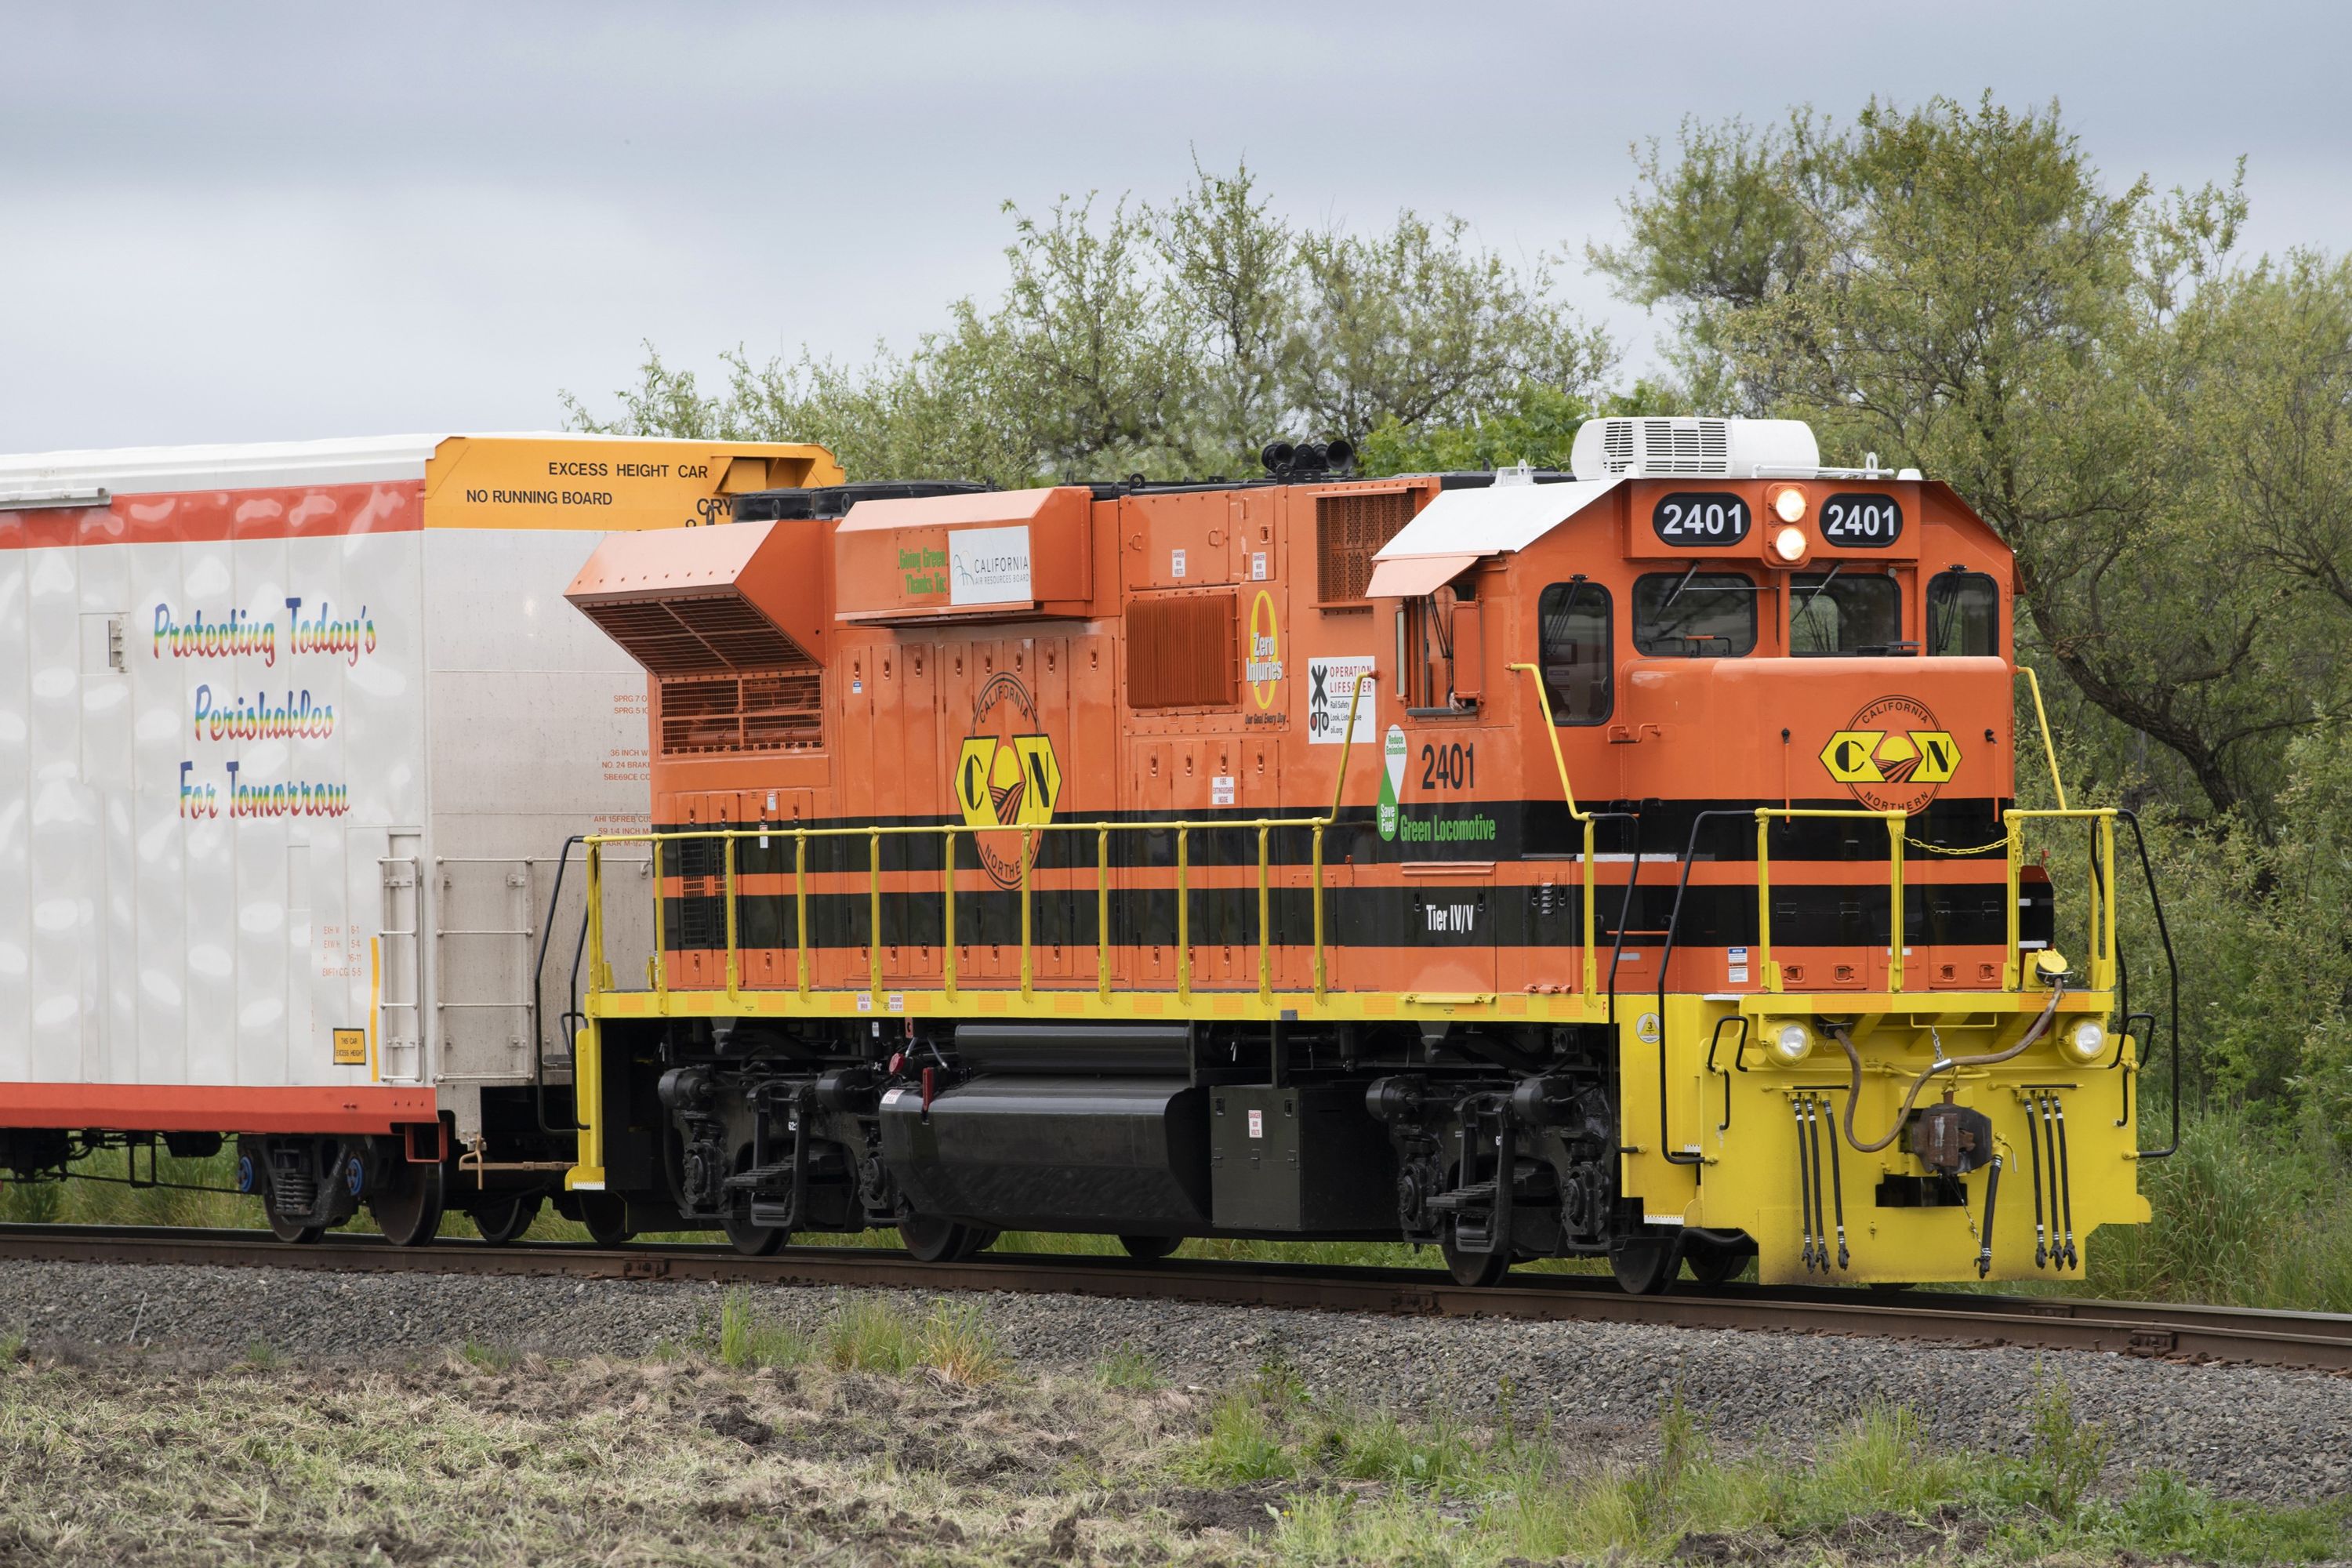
[[1695, 615], [1963, 616], [1580, 666]]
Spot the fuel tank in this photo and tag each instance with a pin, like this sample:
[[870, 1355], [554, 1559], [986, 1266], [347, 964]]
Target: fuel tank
[[1125, 1154]]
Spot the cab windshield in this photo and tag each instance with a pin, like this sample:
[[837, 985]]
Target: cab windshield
[[1849, 612]]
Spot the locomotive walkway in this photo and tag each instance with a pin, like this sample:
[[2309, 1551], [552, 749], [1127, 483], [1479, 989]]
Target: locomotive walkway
[[2319, 1341]]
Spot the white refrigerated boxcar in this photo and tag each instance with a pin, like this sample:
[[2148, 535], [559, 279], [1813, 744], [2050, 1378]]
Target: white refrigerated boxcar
[[291, 740]]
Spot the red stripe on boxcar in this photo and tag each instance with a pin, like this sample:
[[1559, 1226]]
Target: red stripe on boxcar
[[200, 1108], [187, 517]]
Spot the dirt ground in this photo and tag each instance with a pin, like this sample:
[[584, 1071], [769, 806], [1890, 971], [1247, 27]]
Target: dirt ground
[[168, 1460]]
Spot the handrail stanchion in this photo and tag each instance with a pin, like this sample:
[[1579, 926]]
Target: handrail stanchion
[[874, 916], [2011, 971], [800, 911], [1265, 921], [1765, 969], [657, 969], [1102, 912], [1895, 836], [947, 895], [1184, 911], [1322, 980], [734, 971], [600, 971], [1592, 915], [1028, 967], [2105, 980], [1576, 814]]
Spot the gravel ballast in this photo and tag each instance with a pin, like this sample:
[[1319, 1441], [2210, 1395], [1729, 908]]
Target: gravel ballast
[[2242, 1431]]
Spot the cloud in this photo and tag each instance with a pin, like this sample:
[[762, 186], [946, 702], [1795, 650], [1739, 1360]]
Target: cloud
[[281, 221]]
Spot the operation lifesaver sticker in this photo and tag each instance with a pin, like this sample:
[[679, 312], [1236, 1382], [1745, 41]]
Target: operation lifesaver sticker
[[350, 1047]]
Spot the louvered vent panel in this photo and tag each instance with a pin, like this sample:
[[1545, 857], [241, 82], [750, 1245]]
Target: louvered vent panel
[[690, 636], [769, 712], [1181, 652], [1693, 446], [1348, 530]]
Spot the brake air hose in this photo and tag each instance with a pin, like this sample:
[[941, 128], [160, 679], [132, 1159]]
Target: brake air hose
[[1943, 1063]]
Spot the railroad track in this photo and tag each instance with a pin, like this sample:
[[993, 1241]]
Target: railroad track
[[2318, 1340]]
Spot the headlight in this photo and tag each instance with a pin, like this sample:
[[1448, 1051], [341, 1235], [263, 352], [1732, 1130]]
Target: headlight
[[1789, 505], [1791, 1044], [1789, 544], [2086, 1042]]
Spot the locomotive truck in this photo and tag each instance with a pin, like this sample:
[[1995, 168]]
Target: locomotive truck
[[1622, 864]]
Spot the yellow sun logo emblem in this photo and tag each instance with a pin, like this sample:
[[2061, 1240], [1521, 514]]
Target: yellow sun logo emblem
[[1006, 774], [1894, 755]]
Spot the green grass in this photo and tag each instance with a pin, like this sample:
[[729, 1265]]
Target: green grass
[[1129, 1369], [491, 1357], [875, 1334], [1450, 1494], [748, 1340]]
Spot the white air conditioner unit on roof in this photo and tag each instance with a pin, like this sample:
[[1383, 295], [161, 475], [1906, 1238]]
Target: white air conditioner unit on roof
[[1694, 448]]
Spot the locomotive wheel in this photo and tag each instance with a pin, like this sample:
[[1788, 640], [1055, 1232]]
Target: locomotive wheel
[[1150, 1248], [407, 1204], [606, 1216], [1712, 1263], [930, 1239], [1475, 1269], [503, 1221], [1643, 1265]]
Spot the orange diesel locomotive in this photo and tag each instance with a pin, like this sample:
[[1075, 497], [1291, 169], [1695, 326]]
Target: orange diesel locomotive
[[1621, 865]]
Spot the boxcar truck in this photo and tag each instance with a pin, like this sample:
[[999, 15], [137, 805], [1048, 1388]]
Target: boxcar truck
[[292, 739]]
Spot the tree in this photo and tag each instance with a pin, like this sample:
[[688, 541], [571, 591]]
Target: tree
[[1233, 265], [1418, 328], [1169, 343], [1956, 288]]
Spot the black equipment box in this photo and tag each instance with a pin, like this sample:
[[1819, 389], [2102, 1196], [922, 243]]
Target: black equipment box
[[1302, 1158]]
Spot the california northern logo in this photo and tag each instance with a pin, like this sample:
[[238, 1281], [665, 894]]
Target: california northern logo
[[1006, 774], [1894, 755]]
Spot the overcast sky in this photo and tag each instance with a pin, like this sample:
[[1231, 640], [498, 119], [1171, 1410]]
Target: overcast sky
[[249, 222]]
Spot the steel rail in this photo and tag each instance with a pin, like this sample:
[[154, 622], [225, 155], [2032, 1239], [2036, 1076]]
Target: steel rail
[[2319, 1341]]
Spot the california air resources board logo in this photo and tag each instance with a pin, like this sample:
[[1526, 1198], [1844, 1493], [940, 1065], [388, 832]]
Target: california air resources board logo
[[1006, 774], [1894, 755]]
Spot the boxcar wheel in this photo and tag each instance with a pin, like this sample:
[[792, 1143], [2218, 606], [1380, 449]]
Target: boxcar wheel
[[752, 1240], [928, 1239], [293, 1230], [1475, 1269], [501, 1223], [408, 1206], [606, 1218], [1643, 1265], [1150, 1248]]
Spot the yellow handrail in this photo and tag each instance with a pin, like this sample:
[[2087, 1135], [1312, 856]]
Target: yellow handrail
[[1770, 972], [1568, 791], [2041, 717], [803, 967], [2102, 891]]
